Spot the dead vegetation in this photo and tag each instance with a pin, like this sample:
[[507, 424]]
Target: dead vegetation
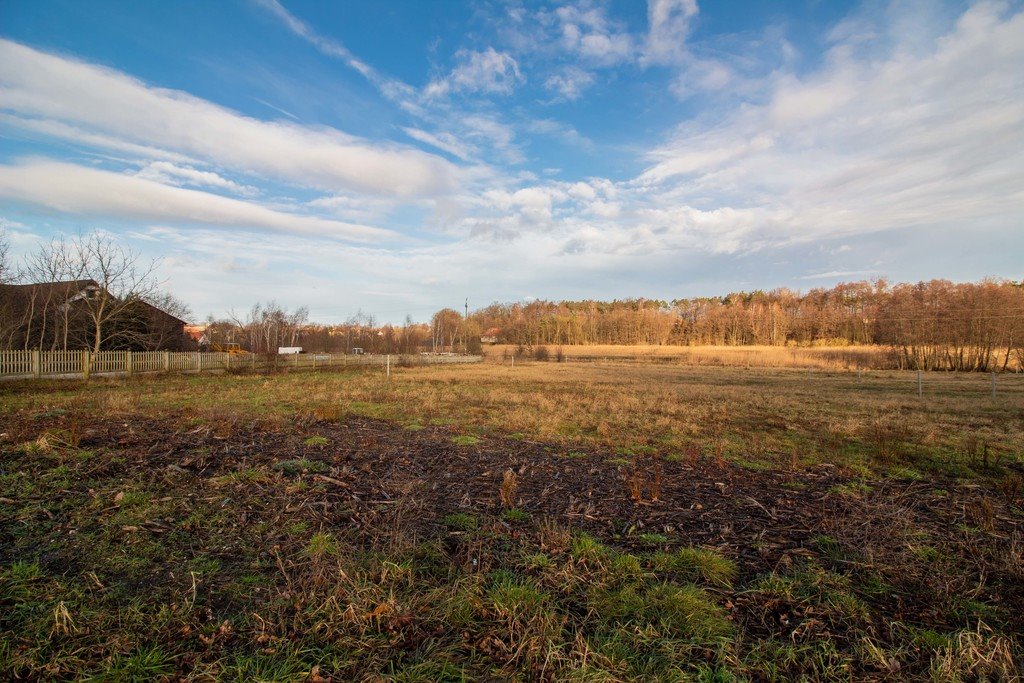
[[301, 528]]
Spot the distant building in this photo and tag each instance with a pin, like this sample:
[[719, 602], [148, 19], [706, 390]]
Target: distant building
[[57, 315], [288, 350], [490, 336]]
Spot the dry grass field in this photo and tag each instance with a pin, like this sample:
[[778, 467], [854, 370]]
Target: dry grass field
[[819, 357], [609, 520]]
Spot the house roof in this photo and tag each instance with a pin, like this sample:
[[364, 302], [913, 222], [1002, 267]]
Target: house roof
[[62, 287], [161, 311], [68, 288]]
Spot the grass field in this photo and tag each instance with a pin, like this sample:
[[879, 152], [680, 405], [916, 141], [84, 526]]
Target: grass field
[[820, 357], [622, 520]]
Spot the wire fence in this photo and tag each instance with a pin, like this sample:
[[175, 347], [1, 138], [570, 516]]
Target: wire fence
[[85, 364]]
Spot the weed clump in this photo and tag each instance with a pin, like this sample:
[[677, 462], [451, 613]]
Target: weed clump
[[509, 485]]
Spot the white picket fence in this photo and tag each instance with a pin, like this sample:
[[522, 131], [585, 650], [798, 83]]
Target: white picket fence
[[84, 364]]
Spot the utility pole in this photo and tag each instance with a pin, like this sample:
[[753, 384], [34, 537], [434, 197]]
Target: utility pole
[[465, 319]]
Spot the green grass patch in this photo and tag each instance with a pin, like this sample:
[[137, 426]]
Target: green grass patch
[[461, 521], [300, 466], [697, 565]]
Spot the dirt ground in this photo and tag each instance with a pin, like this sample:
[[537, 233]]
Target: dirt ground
[[231, 492]]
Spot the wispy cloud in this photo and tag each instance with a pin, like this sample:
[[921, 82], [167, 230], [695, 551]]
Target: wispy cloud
[[171, 174], [392, 88], [487, 71], [891, 138], [835, 274], [668, 27], [570, 83], [446, 142], [587, 32], [110, 105]]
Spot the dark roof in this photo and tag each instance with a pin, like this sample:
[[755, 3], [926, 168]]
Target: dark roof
[[57, 287], [163, 312], [69, 288]]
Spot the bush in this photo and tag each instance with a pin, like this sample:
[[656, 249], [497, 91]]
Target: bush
[[541, 353]]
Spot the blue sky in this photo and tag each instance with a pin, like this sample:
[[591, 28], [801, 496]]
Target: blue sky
[[398, 157]]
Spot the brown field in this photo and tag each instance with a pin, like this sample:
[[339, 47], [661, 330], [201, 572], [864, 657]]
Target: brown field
[[821, 357], [609, 520]]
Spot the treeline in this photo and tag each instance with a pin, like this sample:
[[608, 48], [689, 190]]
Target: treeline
[[929, 325], [267, 327]]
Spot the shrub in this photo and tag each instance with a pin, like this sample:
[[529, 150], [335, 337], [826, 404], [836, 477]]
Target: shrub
[[541, 353]]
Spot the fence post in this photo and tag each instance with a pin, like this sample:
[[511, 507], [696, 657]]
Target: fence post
[[919, 384], [167, 361], [128, 363], [85, 364], [993, 385], [389, 365], [37, 364]]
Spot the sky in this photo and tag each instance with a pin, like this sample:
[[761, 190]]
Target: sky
[[395, 158]]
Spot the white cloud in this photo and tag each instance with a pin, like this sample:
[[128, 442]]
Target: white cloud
[[63, 131], [169, 174], [499, 136], [835, 274], [87, 191], [668, 27], [489, 71], [109, 103], [570, 83], [872, 141], [587, 32], [446, 142], [353, 207]]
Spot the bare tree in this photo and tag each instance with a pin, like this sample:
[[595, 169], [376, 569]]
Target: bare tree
[[106, 283], [122, 280], [10, 322], [444, 328], [7, 274]]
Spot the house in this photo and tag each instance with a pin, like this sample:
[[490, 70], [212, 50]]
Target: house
[[71, 314], [490, 336]]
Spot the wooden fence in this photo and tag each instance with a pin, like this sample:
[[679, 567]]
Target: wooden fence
[[84, 364]]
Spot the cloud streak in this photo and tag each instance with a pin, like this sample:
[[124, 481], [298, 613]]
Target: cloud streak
[[80, 190], [60, 91]]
